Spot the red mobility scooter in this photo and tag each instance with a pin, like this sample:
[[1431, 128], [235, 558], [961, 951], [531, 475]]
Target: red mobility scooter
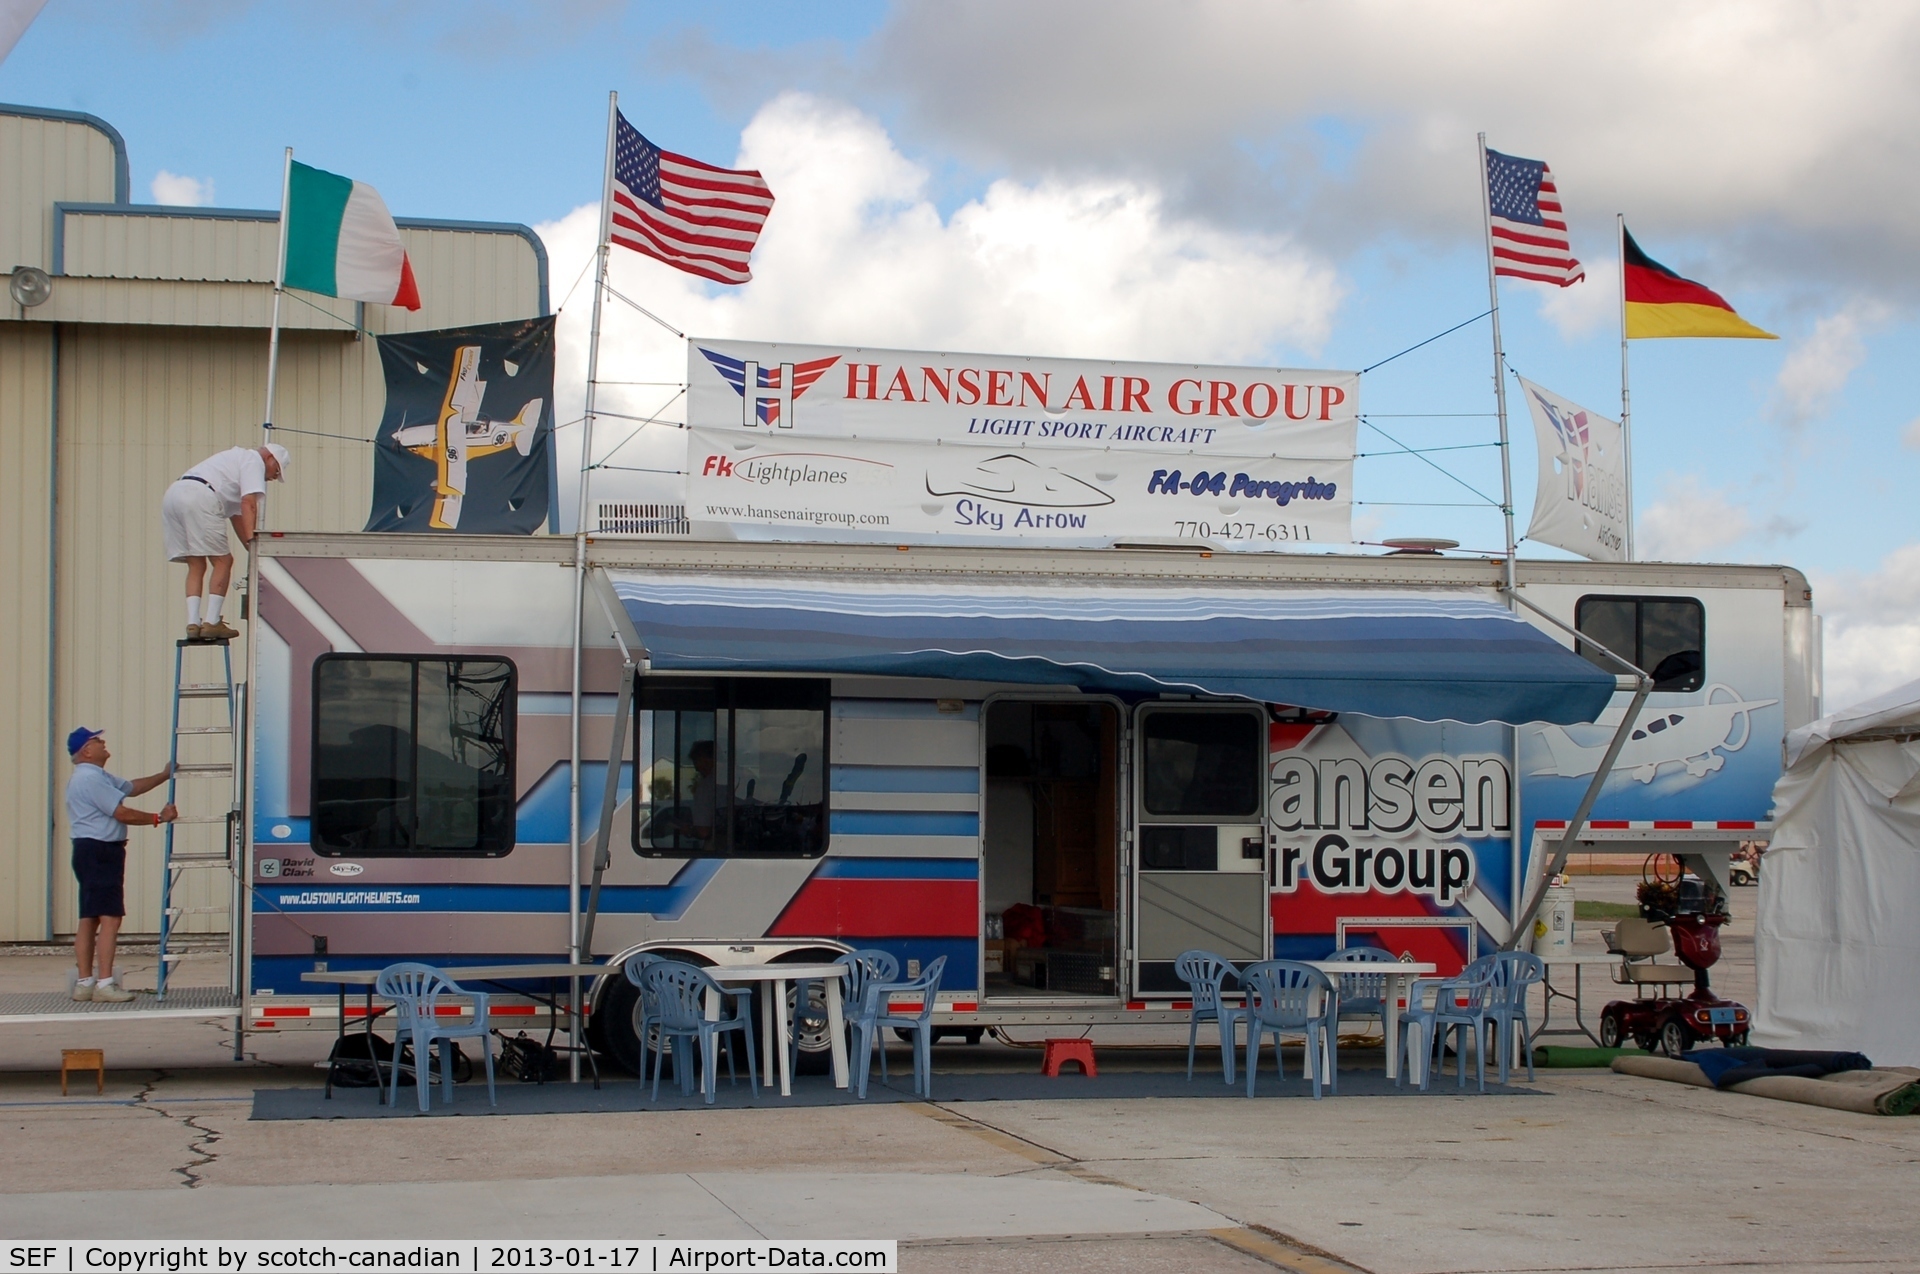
[[1692, 912]]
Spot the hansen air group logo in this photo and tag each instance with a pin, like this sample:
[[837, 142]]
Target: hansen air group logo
[[775, 389], [1575, 438]]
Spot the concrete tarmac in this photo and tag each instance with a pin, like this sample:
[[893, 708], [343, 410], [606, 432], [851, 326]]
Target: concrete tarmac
[[1598, 1172]]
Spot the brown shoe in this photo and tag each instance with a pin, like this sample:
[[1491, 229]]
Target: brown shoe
[[193, 632], [222, 631]]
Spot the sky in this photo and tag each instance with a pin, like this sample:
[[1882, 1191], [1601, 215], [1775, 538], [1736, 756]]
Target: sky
[[1280, 184]]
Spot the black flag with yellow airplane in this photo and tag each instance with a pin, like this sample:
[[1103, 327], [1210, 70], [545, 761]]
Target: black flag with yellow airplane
[[466, 442]]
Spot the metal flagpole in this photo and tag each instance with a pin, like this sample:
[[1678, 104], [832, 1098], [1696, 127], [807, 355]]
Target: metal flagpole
[[574, 952], [1499, 362], [1506, 494], [279, 287], [1626, 396]]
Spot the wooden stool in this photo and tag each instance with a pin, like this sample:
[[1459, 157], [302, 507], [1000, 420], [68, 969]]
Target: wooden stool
[[84, 1059], [1060, 1052]]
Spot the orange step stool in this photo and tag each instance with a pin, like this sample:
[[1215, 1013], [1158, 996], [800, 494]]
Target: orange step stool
[[84, 1059], [1060, 1052]]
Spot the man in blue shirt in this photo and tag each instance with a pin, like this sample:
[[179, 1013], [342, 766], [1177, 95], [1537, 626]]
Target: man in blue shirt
[[99, 817]]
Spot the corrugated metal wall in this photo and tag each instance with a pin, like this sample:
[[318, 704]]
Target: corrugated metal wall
[[44, 161], [158, 335], [26, 450]]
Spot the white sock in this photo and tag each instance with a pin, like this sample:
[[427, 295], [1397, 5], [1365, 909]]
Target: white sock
[[106, 981], [213, 609], [83, 981], [193, 610]]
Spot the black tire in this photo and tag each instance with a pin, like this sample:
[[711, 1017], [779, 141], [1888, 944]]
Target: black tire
[[1610, 1031], [613, 1026], [1675, 1038], [1644, 1043]]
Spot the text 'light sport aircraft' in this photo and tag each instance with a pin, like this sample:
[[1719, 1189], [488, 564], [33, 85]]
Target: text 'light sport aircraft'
[[462, 434], [1688, 735]]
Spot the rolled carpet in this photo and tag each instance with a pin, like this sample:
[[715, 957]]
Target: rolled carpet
[[1891, 1091]]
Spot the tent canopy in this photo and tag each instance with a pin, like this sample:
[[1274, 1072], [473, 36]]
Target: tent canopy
[[1836, 950], [1433, 656]]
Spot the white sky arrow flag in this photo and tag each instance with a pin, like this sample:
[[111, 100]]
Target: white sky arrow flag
[[1581, 505]]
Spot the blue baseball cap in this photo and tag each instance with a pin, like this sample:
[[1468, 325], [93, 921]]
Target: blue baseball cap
[[80, 738]]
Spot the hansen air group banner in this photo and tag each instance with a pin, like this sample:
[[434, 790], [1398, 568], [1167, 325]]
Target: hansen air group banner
[[1581, 503], [810, 441], [464, 444]]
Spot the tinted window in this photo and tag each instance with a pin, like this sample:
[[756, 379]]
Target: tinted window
[[735, 767], [413, 756], [1203, 764], [1666, 636]]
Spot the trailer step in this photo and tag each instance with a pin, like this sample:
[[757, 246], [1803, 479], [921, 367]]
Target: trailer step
[[185, 819], [205, 767], [204, 729], [181, 862], [197, 911]]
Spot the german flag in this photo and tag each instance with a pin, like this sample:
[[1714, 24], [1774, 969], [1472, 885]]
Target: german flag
[[1661, 303]]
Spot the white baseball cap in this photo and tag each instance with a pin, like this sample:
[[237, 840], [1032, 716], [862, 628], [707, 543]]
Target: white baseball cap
[[279, 453]]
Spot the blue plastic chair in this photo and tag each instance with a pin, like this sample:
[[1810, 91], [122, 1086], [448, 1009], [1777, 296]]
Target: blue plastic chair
[[415, 990], [1459, 1003], [680, 994], [1362, 994], [1205, 973], [1280, 997], [876, 1015], [1516, 974], [646, 1010], [868, 964]]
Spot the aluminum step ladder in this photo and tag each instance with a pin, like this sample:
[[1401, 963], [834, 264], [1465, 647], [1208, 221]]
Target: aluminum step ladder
[[192, 842]]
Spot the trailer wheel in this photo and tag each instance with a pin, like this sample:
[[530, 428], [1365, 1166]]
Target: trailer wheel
[[613, 1024], [1675, 1038]]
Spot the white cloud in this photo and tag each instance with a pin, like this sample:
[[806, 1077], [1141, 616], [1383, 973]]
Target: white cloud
[[1726, 122], [1586, 307], [1689, 522], [1872, 628], [1816, 370], [173, 188], [857, 253]]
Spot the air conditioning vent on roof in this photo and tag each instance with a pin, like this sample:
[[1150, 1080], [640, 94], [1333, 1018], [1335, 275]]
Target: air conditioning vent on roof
[[643, 519]]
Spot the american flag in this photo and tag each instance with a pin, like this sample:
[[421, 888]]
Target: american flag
[[1529, 229], [693, 216]]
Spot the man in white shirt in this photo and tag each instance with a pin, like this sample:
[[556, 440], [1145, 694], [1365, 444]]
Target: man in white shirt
[[99, 816], [228, 486]]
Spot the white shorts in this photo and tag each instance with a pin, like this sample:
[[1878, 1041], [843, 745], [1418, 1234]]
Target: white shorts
[[194, 521]]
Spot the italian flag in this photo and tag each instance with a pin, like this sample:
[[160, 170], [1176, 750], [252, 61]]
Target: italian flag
[[341, 241]]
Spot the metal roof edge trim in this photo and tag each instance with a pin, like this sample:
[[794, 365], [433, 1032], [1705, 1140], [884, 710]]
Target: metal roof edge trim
[[122, 172]]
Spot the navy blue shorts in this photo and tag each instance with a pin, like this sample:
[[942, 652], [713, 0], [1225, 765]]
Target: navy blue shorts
[[101, 867]]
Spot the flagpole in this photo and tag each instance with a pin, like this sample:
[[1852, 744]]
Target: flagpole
[[1626, 396], [1519, 864], [580, 581], [1499, 363], [279, 287]]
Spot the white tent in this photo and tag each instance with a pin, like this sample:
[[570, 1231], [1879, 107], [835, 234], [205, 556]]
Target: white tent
[[1838, 937]]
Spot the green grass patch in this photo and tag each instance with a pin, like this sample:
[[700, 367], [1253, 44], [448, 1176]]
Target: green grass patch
[[1604, 910]]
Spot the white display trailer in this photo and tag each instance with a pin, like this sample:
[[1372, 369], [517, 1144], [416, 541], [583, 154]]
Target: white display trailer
[[1058, 768]]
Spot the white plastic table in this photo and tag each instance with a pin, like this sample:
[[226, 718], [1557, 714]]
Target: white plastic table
[[774, 1019], [1400, 976]]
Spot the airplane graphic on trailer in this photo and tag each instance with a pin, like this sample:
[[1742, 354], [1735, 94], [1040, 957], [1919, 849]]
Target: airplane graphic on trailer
[[1687, 735], [462, 434]]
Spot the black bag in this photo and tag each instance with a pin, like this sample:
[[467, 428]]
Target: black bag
[[363, 1060], [528, 1060]]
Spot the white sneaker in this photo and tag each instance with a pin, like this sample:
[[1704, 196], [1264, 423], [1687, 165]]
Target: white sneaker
[[83, 993], [111, 994]]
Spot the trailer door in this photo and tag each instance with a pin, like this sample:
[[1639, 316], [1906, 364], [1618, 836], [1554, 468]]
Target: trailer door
[[1200, 862]]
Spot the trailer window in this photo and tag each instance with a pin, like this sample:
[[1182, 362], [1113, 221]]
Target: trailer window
[[1667, 636], [732, 767], [413, 756], [1202, 764]]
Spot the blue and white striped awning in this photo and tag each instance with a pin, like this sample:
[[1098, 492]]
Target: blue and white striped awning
[[1433, 656]]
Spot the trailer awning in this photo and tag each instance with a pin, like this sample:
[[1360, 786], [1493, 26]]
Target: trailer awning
[[1433, 656]]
